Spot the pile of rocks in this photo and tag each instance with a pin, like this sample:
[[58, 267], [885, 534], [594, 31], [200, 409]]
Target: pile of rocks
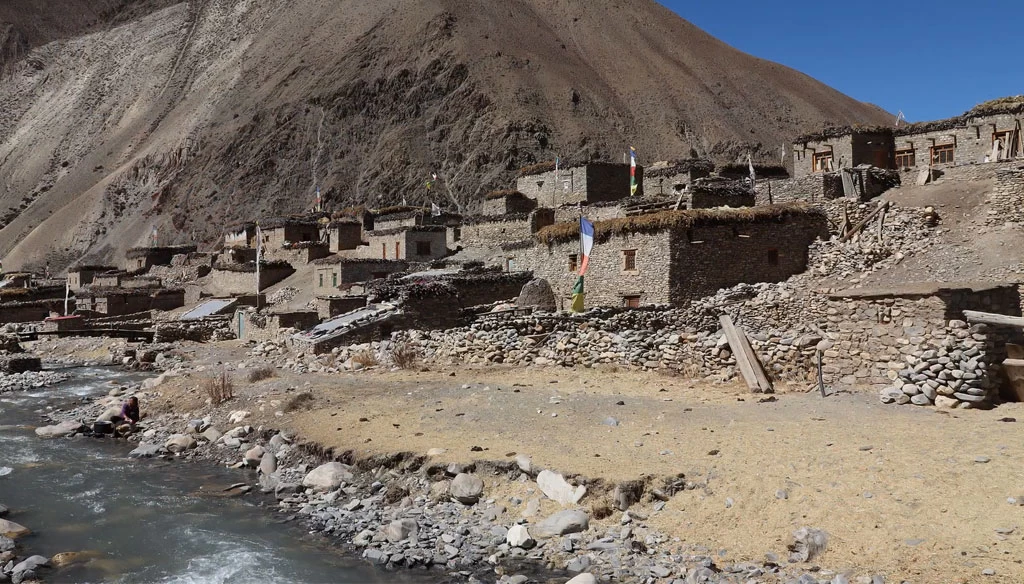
[[17, 568], [30, 380], [953, 374]]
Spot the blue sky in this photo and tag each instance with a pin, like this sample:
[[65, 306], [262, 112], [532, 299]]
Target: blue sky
[[931, 60]]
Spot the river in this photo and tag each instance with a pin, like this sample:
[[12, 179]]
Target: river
[[143, 521]]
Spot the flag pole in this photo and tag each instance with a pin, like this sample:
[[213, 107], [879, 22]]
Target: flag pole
[[67, 292], [259, 252]]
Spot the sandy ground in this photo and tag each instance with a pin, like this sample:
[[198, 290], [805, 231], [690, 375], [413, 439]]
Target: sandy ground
[[901, 490]]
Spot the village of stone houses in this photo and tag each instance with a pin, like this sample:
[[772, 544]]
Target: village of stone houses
[[628, 370]]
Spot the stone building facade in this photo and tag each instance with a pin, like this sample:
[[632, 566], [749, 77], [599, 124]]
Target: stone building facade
[[243, 235], [670, 179], [344, 235], [140, 259], [279, 231], [120, 301], [837, 148], [677, 258], [587, 183], [1007, 199], [330, 274], [495, 230], [81, 276], [418, 243], [235, 279], [507, 203], [708, 193]]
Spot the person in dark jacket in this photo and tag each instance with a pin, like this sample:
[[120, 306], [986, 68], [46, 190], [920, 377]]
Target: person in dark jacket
[[130, 415]]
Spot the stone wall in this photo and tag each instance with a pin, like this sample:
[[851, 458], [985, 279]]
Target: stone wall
[[819, 186], [345, 235], [331, 306], [231, 282], [401, 243], [277, 237], [299, 255], [329, 277], [492, 231], [604, 212], [803, 154], [508, 203], [590, 183], [972, 139], [1006, 203], [200, 331]]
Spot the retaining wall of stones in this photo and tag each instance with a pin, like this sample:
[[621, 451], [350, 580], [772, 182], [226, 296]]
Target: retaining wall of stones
[[1007, 199]]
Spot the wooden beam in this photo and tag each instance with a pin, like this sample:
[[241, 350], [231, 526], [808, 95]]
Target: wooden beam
[[856, 228], [995, 319], [747, 361]]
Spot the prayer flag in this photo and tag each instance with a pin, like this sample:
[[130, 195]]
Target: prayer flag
[[435, 211], [632, 171], [586, 243], [578, 295], [753, 175]]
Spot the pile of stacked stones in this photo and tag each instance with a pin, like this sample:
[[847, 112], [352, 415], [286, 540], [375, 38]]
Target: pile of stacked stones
[[955, 372]]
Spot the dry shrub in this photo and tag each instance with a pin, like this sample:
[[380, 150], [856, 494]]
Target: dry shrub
[[261, 373], [404, 355], [366, 358], [219, 389], [600, 509], [302, 401]]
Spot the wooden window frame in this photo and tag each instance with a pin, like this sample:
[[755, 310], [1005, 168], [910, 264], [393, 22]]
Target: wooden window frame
[[905, 153], [573, 263], [940, 150], [629, 260], [334, 279], [631, 300], [321, 279], [384, 250], [819, 158], [398, 249]]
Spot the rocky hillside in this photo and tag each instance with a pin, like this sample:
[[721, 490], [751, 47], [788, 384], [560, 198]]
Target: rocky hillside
[[188, 116]]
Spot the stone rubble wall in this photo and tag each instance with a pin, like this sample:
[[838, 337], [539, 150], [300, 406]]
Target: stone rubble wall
[[1006, 204]]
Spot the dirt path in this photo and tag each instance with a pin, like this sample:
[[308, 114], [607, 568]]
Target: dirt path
[[914, 493]]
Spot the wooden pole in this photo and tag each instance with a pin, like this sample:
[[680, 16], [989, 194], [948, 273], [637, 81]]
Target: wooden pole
[[747, 361], [993, 319], [821, 379], [856, 228]]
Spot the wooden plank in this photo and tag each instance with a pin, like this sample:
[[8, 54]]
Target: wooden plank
[[1014, 369], [924, 177], [856, 228], [747, 361], [1014, 351], [995, 319]]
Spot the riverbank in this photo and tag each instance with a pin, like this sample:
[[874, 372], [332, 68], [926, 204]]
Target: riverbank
[[884, 483]]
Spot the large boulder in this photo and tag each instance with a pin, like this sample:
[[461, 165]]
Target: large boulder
[[211, 435], [13, 530], [328, 477], [109, 414], [584, 578], [561, 523], [268, 464], [145, 450], [31, 563], [466, 488], [556, 488], [179, 443], [537, 294], [518, 536], [61, 429]]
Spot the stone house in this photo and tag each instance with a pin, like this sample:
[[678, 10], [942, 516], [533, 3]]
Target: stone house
[[835, 148], [81, 276], [331, 273], [507, 203], [241, 235], [590, 182], [673, 257], [140, 259], [120, 301], [279, 231], [344, 234], [711, 192], [417, 243], [235, 279], [495, 230], [110, 279], [672, 178]]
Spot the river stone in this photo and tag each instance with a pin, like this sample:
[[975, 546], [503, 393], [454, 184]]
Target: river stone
[[12, 530], [328, 477], [268, 464], [31, 563], [211, 435], [61, 429], [942, 401], [179, 443], [276, 442], [254, 455], [65, 559], [921, 400], [109, 414], [6, 544], [400, 529], [562, 523], [4, 510], [584, 578], [466, 488], [556, 488], [145, 450], [525, 463], [519, 537]]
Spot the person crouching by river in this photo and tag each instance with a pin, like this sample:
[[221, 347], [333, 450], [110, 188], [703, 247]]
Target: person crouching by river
[[124, 423]]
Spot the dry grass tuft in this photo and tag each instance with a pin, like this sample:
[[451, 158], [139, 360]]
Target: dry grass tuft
[[404, 355], [366, 358], [600, 509], [665, 220], [261, 373], [219, 389], [302, 401]]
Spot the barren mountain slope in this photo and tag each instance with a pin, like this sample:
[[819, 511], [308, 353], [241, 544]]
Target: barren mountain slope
[[203, 113]]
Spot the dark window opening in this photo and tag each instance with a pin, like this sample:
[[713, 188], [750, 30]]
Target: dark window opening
[[573, 263], [423, 248], [773, 257], [629, 259], [321, 280], [334, 279], [398, 250], [631, 301], [383, 250]]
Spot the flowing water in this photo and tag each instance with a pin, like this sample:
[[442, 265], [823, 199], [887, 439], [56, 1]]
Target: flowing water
[[145, 521]]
